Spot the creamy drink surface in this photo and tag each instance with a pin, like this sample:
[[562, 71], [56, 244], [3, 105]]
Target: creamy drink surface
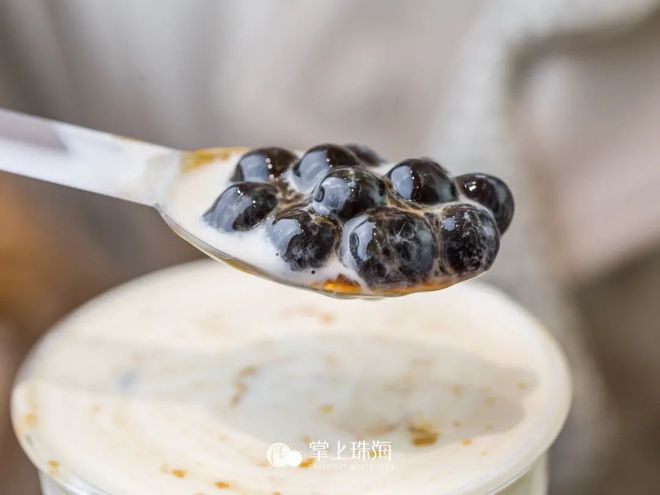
[[178, 383]]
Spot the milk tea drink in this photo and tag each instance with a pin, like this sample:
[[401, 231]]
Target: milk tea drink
[[203, 380]]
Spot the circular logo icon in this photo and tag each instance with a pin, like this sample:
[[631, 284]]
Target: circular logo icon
[[280, 454]]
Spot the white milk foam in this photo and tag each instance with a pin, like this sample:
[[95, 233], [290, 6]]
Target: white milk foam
[[178, 383]]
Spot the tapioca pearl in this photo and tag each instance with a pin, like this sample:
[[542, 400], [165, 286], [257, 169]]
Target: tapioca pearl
[[422, 181], [302, 239], [468, 239], [490, 192], [241, 207], [389, 247], [347, 192], [263, 164], [365, 154], [317, 162]]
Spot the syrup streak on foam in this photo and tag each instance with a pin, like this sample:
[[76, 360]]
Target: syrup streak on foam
[[206, 174]]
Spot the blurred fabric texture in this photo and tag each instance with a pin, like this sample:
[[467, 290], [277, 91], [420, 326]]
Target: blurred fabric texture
[[559, 98]]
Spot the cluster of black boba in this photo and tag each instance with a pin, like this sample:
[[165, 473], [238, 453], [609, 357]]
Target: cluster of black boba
[[412, 225]]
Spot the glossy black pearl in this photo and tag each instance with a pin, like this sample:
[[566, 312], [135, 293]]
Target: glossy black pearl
[[346, 192], [365, 154], [490, 192], [389, 247], [422, 181], [468, 239], [263, 164], [303, 240], [241, 206], [318, 161]]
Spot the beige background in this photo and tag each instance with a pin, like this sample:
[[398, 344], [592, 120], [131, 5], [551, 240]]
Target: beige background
[[560, 98]]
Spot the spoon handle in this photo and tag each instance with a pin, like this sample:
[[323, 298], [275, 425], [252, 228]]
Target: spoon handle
[[82, 158]]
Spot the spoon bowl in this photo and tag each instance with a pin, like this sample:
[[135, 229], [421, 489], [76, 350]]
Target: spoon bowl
[[182, 185]]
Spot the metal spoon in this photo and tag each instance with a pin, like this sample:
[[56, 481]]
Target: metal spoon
[[119, 167]]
